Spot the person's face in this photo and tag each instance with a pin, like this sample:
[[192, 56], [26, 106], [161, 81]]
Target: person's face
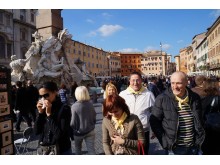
[[111, 90], [135, 82], [117, 113], [178, 85], [47, 95]]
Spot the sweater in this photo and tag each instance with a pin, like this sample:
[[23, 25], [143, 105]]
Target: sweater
[[83, 117], [133, 131]]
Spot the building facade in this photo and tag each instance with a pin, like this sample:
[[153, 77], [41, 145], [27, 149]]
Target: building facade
[[114, 64], [95, 59], [155, 63], [130, 62], [16, 29], [213, 37]]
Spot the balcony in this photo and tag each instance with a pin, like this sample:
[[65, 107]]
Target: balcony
[[214, 66]]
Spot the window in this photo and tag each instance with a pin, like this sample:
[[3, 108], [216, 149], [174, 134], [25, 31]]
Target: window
[[9, 52], [1, 17], [23, 15], [32, 17], [2, 47], [8, 20], [22, 34]]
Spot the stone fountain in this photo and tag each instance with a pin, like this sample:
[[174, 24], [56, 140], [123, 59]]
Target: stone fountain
[[46, 61]]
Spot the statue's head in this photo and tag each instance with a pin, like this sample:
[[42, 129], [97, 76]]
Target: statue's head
[[13, 57]]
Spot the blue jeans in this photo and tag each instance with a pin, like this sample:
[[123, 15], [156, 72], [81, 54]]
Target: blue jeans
[[183, 150]]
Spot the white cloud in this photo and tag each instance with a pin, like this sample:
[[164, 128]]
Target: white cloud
[[166, 46], [180, 41], [129, 50], [216, 13], [149, 48], [92, 34], [106, 15], [89, 21], [107, 30]]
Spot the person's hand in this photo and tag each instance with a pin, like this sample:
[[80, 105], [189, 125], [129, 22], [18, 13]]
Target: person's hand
[[117, 139], [152, 136], [48, 106], [40, 106]]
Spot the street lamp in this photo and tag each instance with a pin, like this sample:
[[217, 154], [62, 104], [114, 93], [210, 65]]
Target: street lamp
[[161, 56]]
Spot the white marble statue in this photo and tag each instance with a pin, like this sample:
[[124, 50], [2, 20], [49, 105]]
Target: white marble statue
[[46, 60], [17, 66]]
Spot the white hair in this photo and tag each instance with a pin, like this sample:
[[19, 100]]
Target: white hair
[[82, 94]]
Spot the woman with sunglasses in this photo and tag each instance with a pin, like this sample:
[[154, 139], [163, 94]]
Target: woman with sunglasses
[[121, 131], [53, 121]]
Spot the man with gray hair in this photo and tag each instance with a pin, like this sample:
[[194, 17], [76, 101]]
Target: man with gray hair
[[176, 118]]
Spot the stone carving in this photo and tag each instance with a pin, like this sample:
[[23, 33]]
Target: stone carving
[[17, 66], [46, 60]]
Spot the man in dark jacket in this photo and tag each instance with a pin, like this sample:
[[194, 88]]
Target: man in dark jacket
[[21, 106], [32, 98], [176, 118]]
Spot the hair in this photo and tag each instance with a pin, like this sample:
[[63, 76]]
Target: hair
[[135, 73], [62, 86], [104, 85], [18, 84], [211, 87], [50, 86], [82, 93], [110, 85], [114, 101], [199, 80], [153, 78]]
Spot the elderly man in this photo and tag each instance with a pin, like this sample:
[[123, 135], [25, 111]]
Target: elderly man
[[176, 118], [139, 100]]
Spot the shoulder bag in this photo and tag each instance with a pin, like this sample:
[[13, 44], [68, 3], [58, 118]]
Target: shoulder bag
[[140, 148]]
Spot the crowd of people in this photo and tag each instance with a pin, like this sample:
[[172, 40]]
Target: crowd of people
[[173, 108]]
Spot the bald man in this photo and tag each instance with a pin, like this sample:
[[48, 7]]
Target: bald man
[[176, 118]]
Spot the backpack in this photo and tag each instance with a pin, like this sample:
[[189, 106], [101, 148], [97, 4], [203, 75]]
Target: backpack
[[213, 116], [58, 119]]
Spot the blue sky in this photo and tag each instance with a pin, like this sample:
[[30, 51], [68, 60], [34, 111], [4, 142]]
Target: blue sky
[[138, 30]]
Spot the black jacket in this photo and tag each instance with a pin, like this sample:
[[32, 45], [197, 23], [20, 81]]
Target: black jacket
[[164, 119], [53, 130]]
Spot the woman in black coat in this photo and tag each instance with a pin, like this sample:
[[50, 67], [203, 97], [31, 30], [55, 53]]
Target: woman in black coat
[[211, 144], [53, 121]]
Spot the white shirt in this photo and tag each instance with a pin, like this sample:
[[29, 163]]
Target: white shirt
[[138, 105]]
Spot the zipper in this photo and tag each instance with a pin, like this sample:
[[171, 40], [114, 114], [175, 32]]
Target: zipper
[[177, 125]]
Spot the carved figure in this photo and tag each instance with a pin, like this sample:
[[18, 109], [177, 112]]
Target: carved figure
[[17, 66]]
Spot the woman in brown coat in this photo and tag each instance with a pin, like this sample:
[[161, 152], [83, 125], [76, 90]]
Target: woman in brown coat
[[121, 130]]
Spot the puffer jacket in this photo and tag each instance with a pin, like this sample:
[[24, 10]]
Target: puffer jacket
[[164, 118]]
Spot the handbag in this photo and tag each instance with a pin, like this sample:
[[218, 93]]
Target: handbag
[[47, 150], [213, 117], [140, 148]]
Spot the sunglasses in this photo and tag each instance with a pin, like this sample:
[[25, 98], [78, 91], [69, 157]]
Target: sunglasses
[[46, 95]]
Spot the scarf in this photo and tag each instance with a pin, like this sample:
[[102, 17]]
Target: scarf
[[182, 101], [135, 92], [119, 122]]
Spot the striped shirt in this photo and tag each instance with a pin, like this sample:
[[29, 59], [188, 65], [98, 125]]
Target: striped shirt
[[186, 124]]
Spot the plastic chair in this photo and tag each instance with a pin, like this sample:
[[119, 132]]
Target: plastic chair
[[21, 143]]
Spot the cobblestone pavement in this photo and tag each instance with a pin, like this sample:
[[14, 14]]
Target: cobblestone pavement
[[155, 148]]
